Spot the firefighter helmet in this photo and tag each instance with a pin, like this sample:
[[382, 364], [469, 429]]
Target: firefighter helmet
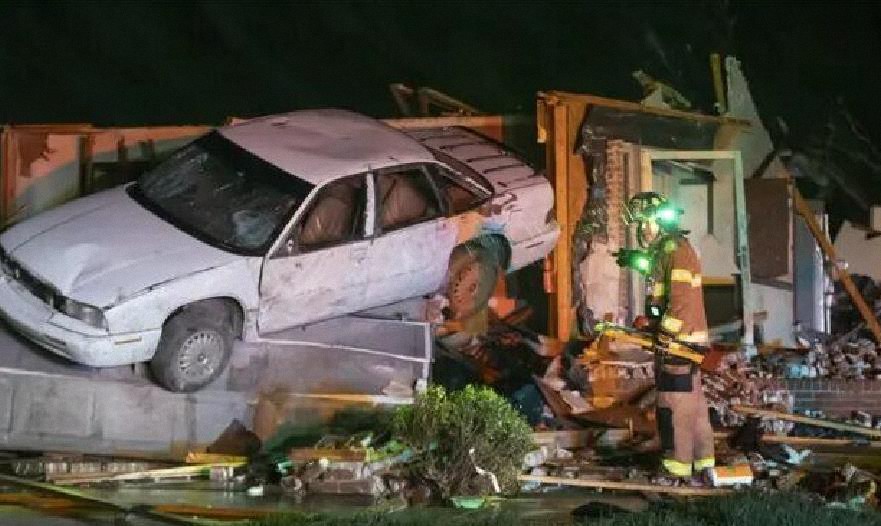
[[651, 207]]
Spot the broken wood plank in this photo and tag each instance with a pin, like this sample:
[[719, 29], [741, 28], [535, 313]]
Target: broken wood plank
[[194, 457], [767, 413], [627, 486], [197, 470], [808, 441], [568, 439], [76, 496], [803, 209], [309, 454]]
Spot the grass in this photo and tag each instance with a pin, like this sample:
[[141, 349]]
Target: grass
[[751, 509]]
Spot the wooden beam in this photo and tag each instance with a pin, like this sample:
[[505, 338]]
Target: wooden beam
[[76, 496], [778, 415], [562, 253], [197, 470], [804, 210], [807, 441], [627, 486], [636, 107], [718, 84], [566, 439], [692, 155]]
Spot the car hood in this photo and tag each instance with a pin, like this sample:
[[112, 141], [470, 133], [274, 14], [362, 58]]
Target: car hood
[[103, 248]]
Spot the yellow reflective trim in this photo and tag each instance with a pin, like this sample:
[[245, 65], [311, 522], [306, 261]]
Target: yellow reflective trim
[[671, 324], [676, 468], [681, 275], [696, 280], [704, 463], [658, 290], [684, 352], [695, 337]]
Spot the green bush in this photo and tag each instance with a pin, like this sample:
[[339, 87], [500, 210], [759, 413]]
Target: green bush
[[443, 427]]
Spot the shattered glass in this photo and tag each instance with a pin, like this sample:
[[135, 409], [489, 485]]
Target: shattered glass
[[223, 194]]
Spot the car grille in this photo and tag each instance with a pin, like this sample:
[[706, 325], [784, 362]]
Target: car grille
[[36, 287]]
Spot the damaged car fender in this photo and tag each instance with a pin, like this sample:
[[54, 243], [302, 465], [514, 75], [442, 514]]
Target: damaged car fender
[[151, 307]]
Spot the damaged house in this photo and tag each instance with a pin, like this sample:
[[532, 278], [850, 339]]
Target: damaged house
[[762, 268]]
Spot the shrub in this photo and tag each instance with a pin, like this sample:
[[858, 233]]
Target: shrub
[[442, 428]]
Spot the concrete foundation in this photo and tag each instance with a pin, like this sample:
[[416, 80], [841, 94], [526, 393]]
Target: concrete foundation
[[302, 375]]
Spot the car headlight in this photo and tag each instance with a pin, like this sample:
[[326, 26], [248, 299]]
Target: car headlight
[[85, 313]]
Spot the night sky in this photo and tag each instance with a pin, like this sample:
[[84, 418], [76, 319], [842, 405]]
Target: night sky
[[131, 63]]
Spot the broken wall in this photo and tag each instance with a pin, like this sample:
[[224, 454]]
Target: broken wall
[[42, 166], [774, 297], [860, 249]]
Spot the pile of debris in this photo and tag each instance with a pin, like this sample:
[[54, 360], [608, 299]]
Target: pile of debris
[[337, 469], [839, 359]]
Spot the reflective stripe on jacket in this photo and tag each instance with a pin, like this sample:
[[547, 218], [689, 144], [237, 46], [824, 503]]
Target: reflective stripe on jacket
[[677, 289]]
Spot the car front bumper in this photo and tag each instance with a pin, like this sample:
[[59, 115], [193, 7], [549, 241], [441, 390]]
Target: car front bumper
[[57, 333]]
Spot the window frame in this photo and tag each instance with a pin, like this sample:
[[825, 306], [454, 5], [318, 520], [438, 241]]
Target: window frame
[[422, 167], [290, 235], [457, 179]]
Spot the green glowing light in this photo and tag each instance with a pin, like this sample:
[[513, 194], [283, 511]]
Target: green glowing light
[[667, 215], [642, 263]]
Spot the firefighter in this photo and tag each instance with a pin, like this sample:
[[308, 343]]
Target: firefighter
[[675, 309]]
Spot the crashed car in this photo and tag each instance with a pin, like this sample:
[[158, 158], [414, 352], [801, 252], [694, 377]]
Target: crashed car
[[268, 224]]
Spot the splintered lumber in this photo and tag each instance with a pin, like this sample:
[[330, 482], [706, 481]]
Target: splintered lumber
[[78, 497], [627, 486], [767, 413], [194, 457], [309, 454], [802, 207], [153, 474], [567, 439], [809, 441]]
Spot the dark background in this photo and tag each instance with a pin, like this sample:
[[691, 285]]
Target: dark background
[[132, 63]]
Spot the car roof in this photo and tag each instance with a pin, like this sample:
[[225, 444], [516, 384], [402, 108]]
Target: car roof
[[322, 145]]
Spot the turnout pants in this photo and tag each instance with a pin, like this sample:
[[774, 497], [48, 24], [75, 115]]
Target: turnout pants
[[683, 421]]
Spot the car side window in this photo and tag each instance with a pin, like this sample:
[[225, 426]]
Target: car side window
[[405, 197], [336, 215], [457, 198]]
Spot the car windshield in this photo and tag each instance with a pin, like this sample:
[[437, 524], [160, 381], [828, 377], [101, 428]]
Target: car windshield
[[222, 194]]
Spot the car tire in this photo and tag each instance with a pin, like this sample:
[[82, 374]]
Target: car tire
[[471, 279], [194, 348]]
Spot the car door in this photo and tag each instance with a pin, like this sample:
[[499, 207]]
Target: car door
[[414, 238], [319, 269]]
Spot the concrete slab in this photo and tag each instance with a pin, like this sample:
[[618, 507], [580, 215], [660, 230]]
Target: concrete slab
[[304, 374]]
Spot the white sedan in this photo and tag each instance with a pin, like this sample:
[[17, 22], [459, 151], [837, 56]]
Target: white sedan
[[265, 225]]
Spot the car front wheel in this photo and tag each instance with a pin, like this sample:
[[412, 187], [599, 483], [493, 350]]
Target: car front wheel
[[194, 348]]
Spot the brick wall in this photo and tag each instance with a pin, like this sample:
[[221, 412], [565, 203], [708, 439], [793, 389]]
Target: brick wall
[[835, 397]]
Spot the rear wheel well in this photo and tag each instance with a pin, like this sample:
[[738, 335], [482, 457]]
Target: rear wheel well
[[228, 307]]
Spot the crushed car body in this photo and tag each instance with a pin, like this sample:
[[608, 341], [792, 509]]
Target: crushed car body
[[264, 225]]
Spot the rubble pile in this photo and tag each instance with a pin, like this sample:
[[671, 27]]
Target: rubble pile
[[850, 360], [731, 388]]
